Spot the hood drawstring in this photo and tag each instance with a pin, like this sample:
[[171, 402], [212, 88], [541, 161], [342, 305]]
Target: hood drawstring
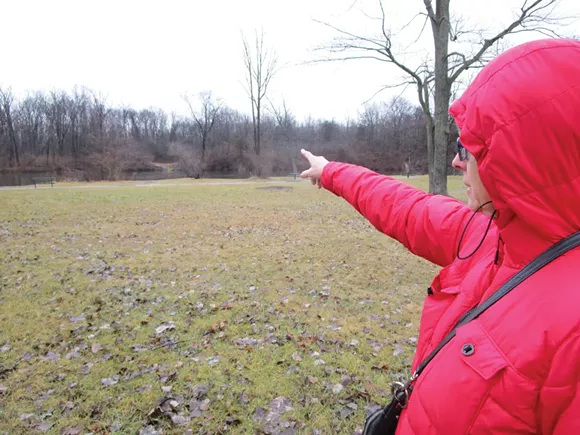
[[484, 235]]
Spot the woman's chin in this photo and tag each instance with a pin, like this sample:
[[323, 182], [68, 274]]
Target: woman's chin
[[472, 203]]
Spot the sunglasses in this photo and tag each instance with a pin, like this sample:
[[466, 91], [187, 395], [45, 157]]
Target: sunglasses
[[461, 151]]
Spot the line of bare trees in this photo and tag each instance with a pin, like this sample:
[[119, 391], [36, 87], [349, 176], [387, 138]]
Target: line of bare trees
[[80, 135]]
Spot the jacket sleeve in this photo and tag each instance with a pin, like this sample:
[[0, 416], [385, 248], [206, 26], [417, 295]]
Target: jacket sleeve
[[428, 225], [560, 395]]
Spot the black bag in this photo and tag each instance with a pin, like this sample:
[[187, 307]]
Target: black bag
[[384, 421]]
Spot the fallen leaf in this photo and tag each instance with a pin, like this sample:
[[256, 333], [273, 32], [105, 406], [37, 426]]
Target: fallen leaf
[[398, 350], [204, 405], [200, 391], [139, 348], [150, 430], [167, 326], [280, 405], [167, 377], [292, 370], [73, 354], [5, 348], [259, 414], [107, 382], [296, 357], [345, 412], [78, 318], [179, 419], [345, 380], [212, 361], [50, 356], [45, 426], [337, 388], [197, 407], [67, 407], [85, 369], [71, 430]]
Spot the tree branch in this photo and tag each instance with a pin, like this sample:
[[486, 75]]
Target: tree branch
[[430, 12], [529, 14]]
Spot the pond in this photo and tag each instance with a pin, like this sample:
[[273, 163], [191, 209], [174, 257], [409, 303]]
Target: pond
[[24, 178]]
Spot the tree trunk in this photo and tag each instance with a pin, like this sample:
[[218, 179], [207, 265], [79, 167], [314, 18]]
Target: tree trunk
[[438, 160], [430, 132], [13, 142], [258, 121], [259, 169]]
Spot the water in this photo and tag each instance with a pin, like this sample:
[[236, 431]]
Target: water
[[24, 178]]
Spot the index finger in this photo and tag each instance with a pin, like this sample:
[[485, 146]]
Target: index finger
[[307, 154]]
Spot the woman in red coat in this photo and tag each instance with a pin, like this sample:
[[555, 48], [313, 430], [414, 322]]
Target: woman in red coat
[[516, 368]]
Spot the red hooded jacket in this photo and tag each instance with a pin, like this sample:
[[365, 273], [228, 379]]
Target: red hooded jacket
[[520, 118]]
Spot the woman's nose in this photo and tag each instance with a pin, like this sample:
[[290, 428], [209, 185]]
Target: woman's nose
[[458, 164]]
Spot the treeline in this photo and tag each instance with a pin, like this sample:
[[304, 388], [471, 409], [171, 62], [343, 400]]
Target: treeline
[[78, 134]]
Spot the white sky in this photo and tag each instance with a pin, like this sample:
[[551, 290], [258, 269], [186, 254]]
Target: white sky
[[148, 53]]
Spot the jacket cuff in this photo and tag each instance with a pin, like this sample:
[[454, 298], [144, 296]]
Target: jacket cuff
[[328, 174]]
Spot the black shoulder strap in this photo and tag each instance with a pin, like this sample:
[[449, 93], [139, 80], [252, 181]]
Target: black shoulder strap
[[542, 260]]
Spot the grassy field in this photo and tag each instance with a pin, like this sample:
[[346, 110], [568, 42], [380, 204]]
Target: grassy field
[[199, 308]]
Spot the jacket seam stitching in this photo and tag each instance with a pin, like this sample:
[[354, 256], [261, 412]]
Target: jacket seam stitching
[[517, 59], [531, 192], [510, 414], [570, 337], [426, 415], [479, 408]]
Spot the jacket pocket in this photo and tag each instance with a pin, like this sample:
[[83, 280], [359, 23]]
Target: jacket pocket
[[455, 386], [478, 351]]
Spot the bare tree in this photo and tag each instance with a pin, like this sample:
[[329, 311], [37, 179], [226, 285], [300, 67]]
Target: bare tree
[[58, 120], [285, 130], [434, 78], [33, 125], [261, 66], [7, 119], [205, 118]]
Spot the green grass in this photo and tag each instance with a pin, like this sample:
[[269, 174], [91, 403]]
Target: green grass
[[260, 283]]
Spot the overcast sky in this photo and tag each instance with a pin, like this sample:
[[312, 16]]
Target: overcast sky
[[148, 53]]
